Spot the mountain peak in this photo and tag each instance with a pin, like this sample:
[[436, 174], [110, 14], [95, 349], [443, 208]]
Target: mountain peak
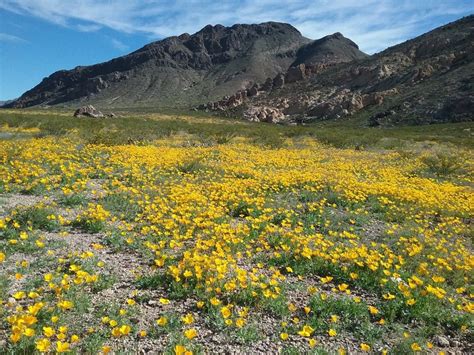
[[331, 48], [335, 35], [214, 61]]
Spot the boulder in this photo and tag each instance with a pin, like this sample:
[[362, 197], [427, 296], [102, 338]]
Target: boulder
[[253, 91], [422, 73], [267, 85], [264, 114], [295, 74], [441, 341], [345, 103], [446, 60], [235, 100], [353, 103], [377, 98], [88, 111], [294, 107], [366, 75], [278, 81], [324, 110], [381, 118], [371, 99]]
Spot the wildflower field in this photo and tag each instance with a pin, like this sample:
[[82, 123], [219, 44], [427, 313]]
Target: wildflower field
[[190, 243]]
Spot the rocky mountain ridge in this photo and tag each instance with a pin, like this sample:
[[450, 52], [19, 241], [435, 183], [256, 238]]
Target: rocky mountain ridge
[[187, 69], [269, 72], [425, 80]]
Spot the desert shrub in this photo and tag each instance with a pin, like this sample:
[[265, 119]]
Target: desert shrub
[[190, 166], [72, 200], [442, 160]]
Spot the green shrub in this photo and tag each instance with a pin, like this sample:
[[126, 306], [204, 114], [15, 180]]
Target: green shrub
[[38, 217]]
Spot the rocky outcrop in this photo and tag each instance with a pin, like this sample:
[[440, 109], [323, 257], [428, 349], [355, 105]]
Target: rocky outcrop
[[253, 91], [346, 103], [368, 75], [228, 102], [264, 114], [428, 79], [293, 74], [278, 81], [89, 111], [296, 73]]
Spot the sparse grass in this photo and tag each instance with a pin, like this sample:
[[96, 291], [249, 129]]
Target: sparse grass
[[116, 241], [136, 128]]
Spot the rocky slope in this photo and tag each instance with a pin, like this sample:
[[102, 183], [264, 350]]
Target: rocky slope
[[189, 69], [425, 80]]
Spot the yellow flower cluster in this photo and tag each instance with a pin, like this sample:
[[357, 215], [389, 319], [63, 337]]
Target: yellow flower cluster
[[233, 225]]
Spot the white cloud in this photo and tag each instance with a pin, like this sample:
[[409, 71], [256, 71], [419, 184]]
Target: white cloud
[[119, 45], [5, 37], [88, 27], [373, 24]]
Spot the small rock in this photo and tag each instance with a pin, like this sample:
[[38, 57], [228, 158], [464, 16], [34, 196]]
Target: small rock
[[441, 341], [454, 343]]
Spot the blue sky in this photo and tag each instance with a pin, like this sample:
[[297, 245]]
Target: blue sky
[[38, 37]]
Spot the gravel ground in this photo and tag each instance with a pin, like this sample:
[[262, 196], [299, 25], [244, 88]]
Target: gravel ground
[[124, 267]]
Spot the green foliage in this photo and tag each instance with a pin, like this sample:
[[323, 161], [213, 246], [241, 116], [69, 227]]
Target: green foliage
[[248, 334], [89, 226], [191, 166], [121, 206], [72, 200], [443, 161], [353, 317], [37, 217], [241, 209], [138, 128]]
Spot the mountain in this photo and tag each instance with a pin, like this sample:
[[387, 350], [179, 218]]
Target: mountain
[[187, 69], [270, 72], [5, 102], [333, 48], [428, 79]]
